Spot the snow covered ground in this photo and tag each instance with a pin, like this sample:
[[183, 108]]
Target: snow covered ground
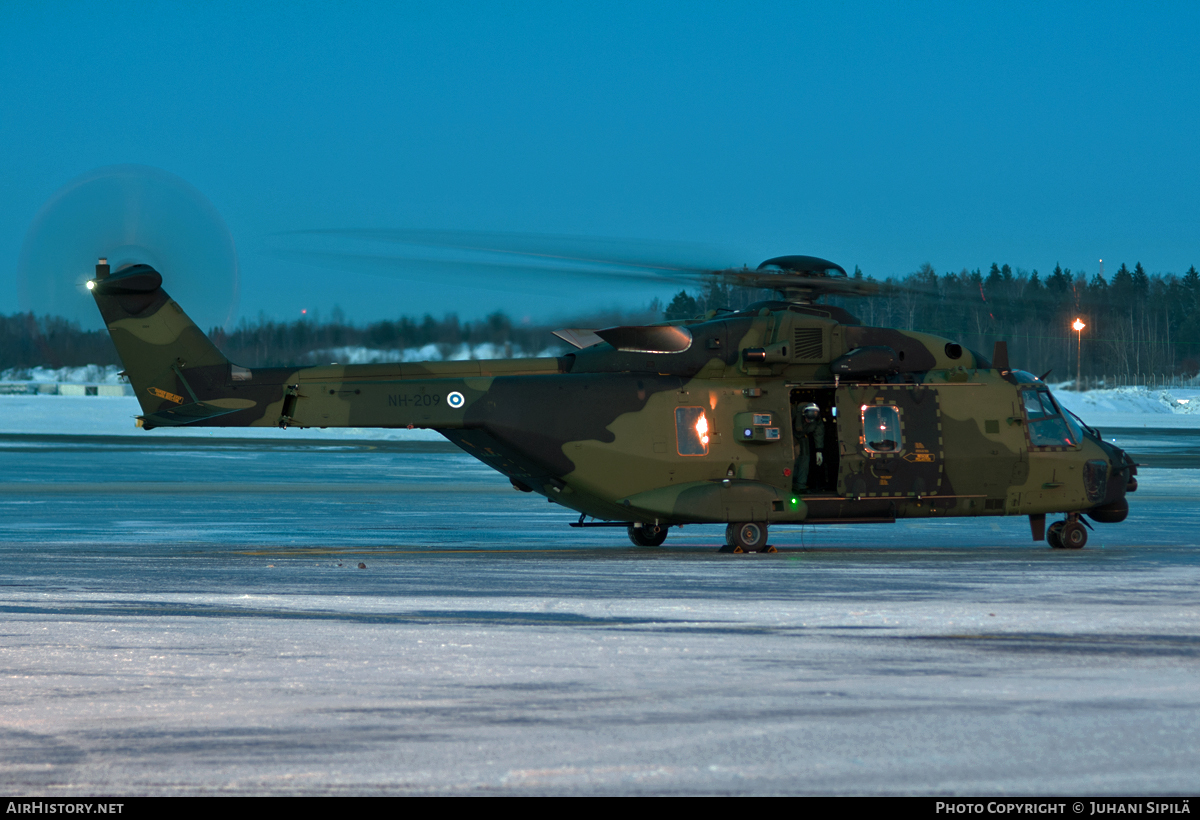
[[114, 416], [1123, 407], [1170, 407], [110, 374], [88, 374], [428, 353], [347, 618]]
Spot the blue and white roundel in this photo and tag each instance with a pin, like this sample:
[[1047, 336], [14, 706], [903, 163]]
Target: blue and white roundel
[[455, 400]]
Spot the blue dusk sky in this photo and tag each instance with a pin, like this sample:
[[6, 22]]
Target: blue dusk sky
[[882, 135]]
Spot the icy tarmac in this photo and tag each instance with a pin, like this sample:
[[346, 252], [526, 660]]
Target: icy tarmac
[[189, 617]]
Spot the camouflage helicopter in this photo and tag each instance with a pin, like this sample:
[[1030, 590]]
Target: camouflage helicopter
[[786, 411]]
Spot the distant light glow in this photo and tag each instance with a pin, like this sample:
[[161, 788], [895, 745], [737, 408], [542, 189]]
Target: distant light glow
[[91, 285], [1078, 325]]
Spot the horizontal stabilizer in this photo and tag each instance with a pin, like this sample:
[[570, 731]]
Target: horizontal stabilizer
[[184, 414]]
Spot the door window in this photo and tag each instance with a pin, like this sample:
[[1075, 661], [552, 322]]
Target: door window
[[881, 429]]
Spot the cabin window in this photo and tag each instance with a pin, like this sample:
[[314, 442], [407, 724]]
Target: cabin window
[[881, 429], [1047, 428], [691, 431]]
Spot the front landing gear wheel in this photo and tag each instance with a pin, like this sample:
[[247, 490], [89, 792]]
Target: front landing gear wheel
[[1073, 535], [648, 535], [747, 537], [1067, 535]]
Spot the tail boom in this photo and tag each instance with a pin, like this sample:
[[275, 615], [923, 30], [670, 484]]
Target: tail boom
[[182, 379]]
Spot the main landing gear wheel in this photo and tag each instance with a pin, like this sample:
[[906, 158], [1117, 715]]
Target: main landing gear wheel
[[648, 535], [1054, 535], [746, 537]]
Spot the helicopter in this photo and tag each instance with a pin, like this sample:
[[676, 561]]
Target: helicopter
[[787, 411]]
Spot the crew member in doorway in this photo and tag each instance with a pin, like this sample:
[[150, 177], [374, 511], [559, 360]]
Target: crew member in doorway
[[810, 437]]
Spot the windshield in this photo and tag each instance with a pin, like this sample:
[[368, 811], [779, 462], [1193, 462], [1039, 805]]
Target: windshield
[[1047, 425], [1076, 423]]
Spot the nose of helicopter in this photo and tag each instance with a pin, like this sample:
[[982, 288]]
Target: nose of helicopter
[[1122, 479]]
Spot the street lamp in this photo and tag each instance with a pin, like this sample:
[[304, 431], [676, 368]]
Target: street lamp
[[1078, 327]]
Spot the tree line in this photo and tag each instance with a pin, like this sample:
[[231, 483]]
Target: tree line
[[27, 341], [51, 341], [1136, 323]]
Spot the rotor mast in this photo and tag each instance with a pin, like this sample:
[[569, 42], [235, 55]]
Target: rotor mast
[[800, 279]]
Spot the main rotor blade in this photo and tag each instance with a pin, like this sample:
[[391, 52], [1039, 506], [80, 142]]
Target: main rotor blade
[[518, 262], [505, 262], [674, 257], [504, 276]]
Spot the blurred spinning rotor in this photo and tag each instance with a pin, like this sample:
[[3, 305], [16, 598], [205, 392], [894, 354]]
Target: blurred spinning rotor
[[129, 214], [516, 262]]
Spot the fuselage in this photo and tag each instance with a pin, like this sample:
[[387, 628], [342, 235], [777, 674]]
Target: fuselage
[[692, 422]]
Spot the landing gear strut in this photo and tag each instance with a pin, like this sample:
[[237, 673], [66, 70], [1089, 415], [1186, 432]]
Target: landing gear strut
[[648, 535], [1067, 535]]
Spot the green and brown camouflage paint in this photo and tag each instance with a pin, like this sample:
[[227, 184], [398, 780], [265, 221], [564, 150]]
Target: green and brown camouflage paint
[[596, 431]]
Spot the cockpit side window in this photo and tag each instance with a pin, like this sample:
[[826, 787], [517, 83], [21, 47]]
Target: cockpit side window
[[1047, 428], [691, 431], [881, 429]]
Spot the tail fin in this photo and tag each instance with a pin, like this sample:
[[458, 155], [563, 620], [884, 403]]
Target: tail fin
[[167, 358]]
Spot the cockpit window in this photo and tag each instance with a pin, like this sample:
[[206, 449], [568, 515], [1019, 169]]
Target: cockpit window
[[1073, 423], [1047, 427], [881, 429], [1035, 407], [1079, 427]]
